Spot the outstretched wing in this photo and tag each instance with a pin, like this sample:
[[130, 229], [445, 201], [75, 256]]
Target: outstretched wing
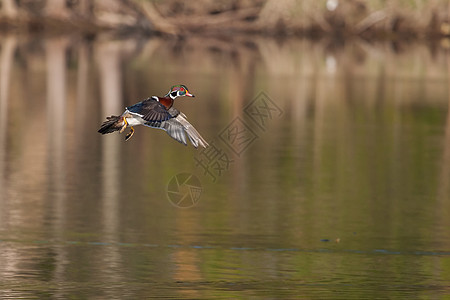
[[178, 127], [150, 110]]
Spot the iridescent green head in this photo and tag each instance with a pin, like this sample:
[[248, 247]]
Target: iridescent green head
[[179, 90]]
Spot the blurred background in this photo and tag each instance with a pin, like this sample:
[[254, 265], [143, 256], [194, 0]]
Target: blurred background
[[343, 194]]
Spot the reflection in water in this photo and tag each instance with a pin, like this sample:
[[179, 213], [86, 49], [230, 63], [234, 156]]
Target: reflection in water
[[6, 59], [109, 58], [9, 256], [443, 193], [56, 125], [347, 190]]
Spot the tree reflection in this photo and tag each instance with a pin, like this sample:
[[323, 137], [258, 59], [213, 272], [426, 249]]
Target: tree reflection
[[10, 257], [6, 60], [364, 133]]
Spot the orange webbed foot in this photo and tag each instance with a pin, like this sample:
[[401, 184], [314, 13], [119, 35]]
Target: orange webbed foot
[[125, 124], [130, 134]]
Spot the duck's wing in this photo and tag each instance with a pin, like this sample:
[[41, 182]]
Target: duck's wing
[[150, 110], [192, 133], [178, 127]]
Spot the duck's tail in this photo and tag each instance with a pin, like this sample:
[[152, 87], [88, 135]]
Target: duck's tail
[[112, 123]]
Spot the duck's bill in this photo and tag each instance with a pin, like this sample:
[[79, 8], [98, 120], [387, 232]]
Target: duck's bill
[[189, 94]]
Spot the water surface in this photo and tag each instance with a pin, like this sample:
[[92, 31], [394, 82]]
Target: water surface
[[335, 184]]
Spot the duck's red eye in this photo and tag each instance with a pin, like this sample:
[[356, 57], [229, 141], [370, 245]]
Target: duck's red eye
[[181, 89]]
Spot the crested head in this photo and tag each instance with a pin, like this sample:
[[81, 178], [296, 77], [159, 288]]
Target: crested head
[[179, 90]]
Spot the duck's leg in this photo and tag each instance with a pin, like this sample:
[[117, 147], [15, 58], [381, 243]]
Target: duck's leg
[[125, 124], [130, 134]]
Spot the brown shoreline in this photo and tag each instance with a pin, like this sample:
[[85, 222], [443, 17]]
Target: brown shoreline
[[178, 18]]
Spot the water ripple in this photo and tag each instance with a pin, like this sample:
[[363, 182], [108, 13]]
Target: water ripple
[[241, 248]]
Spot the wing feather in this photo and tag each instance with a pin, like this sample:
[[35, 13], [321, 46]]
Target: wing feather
[[150, 110], [177, 127]]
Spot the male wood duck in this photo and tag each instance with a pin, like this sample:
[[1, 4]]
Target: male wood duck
[[157, 112]]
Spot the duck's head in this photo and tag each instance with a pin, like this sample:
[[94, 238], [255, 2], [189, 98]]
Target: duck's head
[[179, 90]]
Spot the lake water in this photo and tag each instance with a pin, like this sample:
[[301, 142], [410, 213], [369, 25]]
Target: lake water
[[328, 175]]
